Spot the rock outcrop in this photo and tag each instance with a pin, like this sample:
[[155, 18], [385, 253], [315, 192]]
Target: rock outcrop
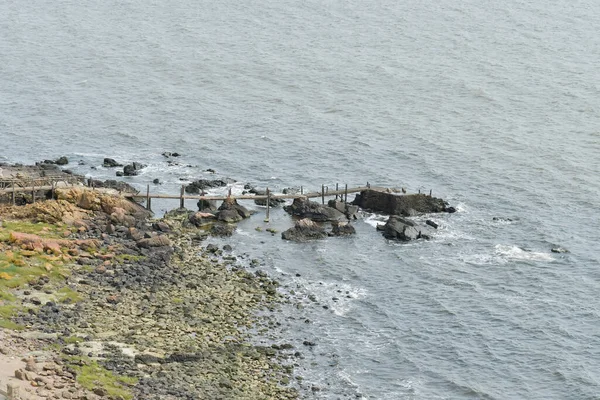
[[342, 229], [304, 230], [395, 204], [111, 163], [304, 208], [133, 169], [401, 229], [349, 210], [230, 211]]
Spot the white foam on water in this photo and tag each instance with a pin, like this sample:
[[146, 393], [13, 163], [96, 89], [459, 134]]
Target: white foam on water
[[375, 219], [512, 252], [325, 292]]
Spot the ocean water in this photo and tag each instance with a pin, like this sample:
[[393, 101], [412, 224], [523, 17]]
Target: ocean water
[[492, 105]]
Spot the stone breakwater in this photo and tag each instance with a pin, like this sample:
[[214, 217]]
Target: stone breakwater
[[116, 306]]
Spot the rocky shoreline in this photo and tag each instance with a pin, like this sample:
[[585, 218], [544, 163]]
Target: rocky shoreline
[[99, 300], [119, 306]]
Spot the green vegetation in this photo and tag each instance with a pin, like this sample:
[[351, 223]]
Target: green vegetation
[[20, 267], [66, 294], [40, 228], [91, 375], [6, 313]]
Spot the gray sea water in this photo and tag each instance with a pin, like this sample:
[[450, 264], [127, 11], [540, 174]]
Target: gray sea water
[[492, 105]]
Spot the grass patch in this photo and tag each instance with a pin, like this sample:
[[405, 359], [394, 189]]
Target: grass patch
[[6, 313], [17, 269], [66, 294], [92, 375], [39, 228], [73, 339]]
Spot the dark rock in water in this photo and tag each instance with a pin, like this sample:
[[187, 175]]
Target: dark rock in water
[[201, 184], [394, 204], [432, 224], [263, 202], [48, 162], [48, 167], [342, 229], [169, 154], [133, 169], [156, 181], [119, 173], [68, 171], [110, 163], [500, 219], [559, 250], [398, 228], [212, 248], [304, 230], [230, 211], [347, 209], [304, 208], [207, 205], [62, 161], [227, 247], [212, 171], [222, 229], [450, 210]]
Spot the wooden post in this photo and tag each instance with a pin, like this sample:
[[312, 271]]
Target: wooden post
[[301, 189], [429, 192], [268, 204], [346, 194], [181, 200], [147, 197], [336, 189], [323, 194]]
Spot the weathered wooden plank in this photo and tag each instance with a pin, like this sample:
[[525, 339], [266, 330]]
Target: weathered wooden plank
[[258, 197]]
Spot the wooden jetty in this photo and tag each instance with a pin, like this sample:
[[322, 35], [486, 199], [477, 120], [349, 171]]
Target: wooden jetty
[[324, 192]]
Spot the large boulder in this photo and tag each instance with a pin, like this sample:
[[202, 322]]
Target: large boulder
[[398, 228], [342, 229], [221, 229], [62, 161], [207, 206], [230, 211], [399, 204], [304, 208], [304, 230], [347, 209], [201, 218], [133, 169], [110, 163], [155, 241]]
